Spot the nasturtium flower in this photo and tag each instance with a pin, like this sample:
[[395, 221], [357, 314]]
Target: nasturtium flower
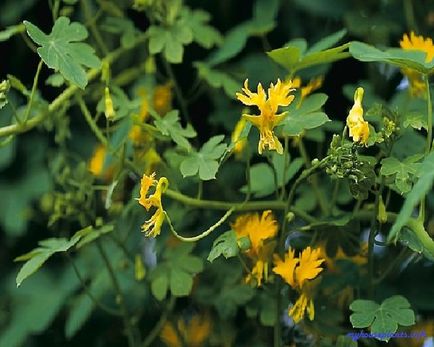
[[298, 273], [418, 43], [260, 230], [286, 268], [193, 332], [268, 119], [298, 310], [358, 127], [152, 227], [416, 82]]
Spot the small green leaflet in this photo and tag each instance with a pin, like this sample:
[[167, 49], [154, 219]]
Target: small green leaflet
[[307, 116], [176, 272], [169, 125], [382, 318], [205, 161], [204, 34], [294, 58], [61, 51], [218, 79], [420, 189], [403, 172], [170, 41], [225, 245], [37, 257]]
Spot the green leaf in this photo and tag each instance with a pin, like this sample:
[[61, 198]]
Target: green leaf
[[11, 31], [382, 319], [170, 40], [169, 125], [292, 58], [61, 51], [403, 172], [225, 244], [160, 285], [176, 272], [410, 59], [218, 79], [205, 161], [37, 257], [180, 282], [122, 26], [204, 34], [419, 191], [295, 125], [415, 120], [327, 42]]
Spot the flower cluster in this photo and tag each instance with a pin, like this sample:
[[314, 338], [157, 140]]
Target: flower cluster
[[260, 230], [268, 119], [358, 127], [298, 272], [152, 227]]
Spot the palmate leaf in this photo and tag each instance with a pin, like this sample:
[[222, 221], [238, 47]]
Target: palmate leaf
[[205, 161], [204, 34], [176, 272], [403, 171], [169, 125], [383, 319], [62, 51]]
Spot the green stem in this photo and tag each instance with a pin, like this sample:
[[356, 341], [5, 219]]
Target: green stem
[[314, 182], [88, 292], [32, 94], [90, 121], [396, 261], [202, 235], [69, 92], [120, 297], [157, 328], [409, 15], [178, 92], [238, 206], [93, 28], [429, 120]]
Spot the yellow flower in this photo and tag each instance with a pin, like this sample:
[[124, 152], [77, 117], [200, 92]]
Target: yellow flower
[[286, 268], [298, 310], [256, 228], [358, 127], [259, 230], [152, 227], [278, 95], [192, 333], [96, 163], [418, 43], [309, 265], [163, 98], [239, 145], [309, 88], [415, 79]]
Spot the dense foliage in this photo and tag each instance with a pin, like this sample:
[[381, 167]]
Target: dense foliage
[[186, 173]]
